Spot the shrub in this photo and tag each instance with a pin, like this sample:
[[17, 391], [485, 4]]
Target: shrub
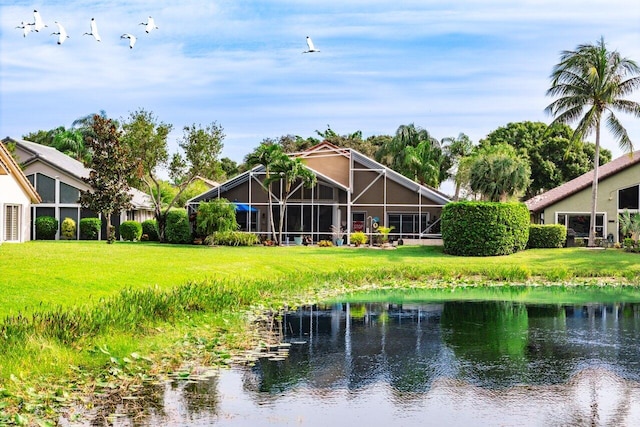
[[90, 228], [131, 231], [359, 238], [217, 215], [547, 236], [68, 229], [325, 243], [232, 238], [150, 228], [46, 228], [484, 228], [177, 229]]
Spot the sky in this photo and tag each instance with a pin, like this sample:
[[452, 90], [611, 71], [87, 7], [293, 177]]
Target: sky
[[450, 67]]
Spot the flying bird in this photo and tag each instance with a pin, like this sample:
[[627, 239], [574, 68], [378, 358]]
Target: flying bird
[[26, 28], [149, 25], [62, 33], [312, 48], [38, 23], [131, 37], [94, 30]]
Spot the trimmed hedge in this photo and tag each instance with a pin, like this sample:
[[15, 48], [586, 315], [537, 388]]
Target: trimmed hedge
[[150, 228], [177, 229], [547, 236], [46, 228], [131, 231], [90, 228], [484, 228]]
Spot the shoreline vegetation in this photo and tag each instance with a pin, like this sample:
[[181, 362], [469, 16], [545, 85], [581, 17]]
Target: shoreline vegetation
[[84, 323]]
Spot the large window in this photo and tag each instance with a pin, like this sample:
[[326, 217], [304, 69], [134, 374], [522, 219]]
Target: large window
[[11, 223], [580, 222], [46, 188], [69, 194], [629, 198], [407, 224]]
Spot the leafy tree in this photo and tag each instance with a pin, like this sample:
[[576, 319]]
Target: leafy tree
[[497, 172], [147, 140], [229, 168], [217, 215], [588, 82], [552, 157], [456, 149], [414, 153], [43, 137], [71, 143], [110, 168]]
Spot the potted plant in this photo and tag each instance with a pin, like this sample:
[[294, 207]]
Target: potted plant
[[384, 231], [337, 234]]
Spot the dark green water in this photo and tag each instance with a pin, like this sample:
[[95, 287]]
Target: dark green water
[[406, 360]]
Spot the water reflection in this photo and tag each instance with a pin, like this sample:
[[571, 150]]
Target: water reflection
[[453, 363]]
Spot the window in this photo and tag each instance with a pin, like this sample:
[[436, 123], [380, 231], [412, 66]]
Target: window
[[69, 194], [409, 224], [580, 223], [11, 223], [628, 198], [46, 187]]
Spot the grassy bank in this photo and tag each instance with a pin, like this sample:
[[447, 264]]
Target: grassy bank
[[86, 317]]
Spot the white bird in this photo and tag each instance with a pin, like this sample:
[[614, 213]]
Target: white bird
[[149, 25], [312, 48], [131, 37], [38, 23], [26, 28], [62, 33], [94, 30]]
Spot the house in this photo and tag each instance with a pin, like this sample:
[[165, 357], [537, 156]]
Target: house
[[16, 197], [570, 203], [58, 180], [352, 191]]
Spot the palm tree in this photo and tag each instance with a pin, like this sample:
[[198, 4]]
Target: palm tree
[[267, 154], [497, 172], [589, 82], [288, 171], [71, 143]]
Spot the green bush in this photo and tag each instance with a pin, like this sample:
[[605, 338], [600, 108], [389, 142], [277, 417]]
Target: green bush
[[231, 238], [547, 236], [177, 228], [46, 228], [90, 228], [358, 238], [68, 229], [484, 228], [217, 215], [131, 231], [150, 228]]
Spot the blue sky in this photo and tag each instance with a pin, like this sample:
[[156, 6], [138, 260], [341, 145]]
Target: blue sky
[[447, 66]]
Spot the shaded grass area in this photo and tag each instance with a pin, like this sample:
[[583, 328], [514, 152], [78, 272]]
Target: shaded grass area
[[93, 306]]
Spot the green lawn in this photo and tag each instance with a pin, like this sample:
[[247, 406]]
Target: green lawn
[[47, 274]]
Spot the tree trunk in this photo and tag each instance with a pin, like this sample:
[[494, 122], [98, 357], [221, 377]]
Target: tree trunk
[[594, 188], [273, 224]]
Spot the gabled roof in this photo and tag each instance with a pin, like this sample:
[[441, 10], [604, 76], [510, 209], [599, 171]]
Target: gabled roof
[[60, 161], [9, 166], [423, 190], [541, 201]]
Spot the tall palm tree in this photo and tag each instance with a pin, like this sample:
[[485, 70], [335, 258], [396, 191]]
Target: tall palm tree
[[591, 81], [267, 154]]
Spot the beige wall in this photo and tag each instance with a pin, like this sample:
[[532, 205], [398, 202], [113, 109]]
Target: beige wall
[[330, 164], [607, 201]]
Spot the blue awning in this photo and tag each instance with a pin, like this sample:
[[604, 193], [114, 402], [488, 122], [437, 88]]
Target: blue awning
[[243, 207]]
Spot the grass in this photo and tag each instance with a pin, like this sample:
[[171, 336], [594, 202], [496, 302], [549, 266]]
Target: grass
[[44, 275], [92, 306]]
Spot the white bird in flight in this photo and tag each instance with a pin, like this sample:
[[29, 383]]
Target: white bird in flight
[[26, 28], [94, 30], [149, 25], [62, 33], [131, 37], [38, 23], [312, 48]]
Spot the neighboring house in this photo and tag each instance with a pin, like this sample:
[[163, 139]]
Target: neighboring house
[[352, 191], [570, 203], [58, 180], [16, 196]]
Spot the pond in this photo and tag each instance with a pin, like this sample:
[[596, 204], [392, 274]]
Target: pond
[[436, 361]]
